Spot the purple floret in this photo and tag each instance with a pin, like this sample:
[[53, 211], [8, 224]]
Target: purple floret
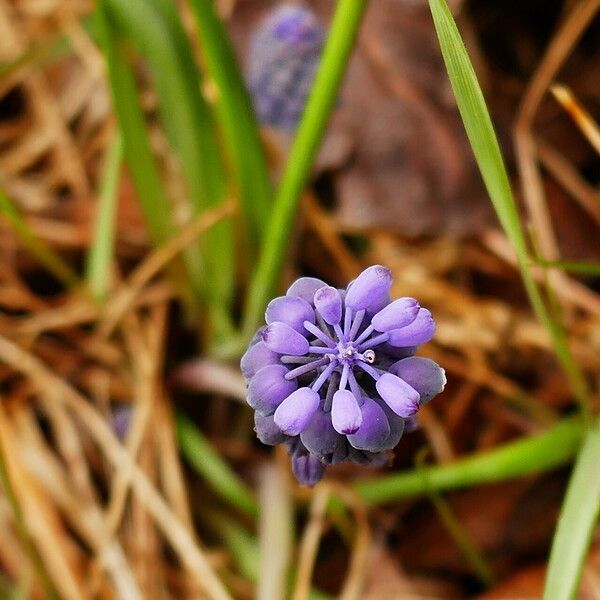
[[284, 55], [333, 375]]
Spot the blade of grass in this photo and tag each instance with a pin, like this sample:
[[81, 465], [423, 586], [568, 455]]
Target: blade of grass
[[102, 248], [206, 461], [137, 149], [580, 268], [344, 28], [189, 126], [539, 453], [482, 137], [236, 116], [36, 247], [578, 517]]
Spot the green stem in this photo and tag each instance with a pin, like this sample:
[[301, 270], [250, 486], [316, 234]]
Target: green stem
[[539, 453], [208, 463], [323, 97], [235, 112], [578, 517], [102, 248]]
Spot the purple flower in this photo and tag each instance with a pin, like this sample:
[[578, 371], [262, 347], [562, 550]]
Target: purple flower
[[332, 374], [283, 59]]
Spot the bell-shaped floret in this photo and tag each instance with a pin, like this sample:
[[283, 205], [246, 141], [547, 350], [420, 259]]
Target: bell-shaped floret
[[422, 374], [295, 413], [290, 310], [398, 395], [418, 332], [346, 415], [374, 430], [268, 388], [398, 313], [281, 338], [255, 358], [370, 290], [305, 288], [328, 302]]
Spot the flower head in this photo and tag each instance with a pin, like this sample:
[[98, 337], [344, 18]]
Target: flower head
[[332, 374], [283, 59]]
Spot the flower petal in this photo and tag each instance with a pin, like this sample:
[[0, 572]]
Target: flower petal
[[370, 289], [374, 430], [305, 288], [346, 415], [267, 431], [421, 330], [398, 313], [281, 338], [268, 388], [423, 374], [295, 413], [328, 302], [398, 395], [320, 438], [307, 468], [255, 358], [290, 310]]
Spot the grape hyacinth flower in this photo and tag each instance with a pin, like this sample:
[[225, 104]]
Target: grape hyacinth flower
[[332, 375], [284, 55]]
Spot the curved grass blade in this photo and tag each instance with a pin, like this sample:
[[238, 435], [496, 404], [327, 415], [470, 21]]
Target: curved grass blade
[[482, 137], [322, 99], [102, 248], [539, 453], [36, 247], [136, 143], [236, 115], [581, 268], [578, 517], [190, 129], [207, 462]]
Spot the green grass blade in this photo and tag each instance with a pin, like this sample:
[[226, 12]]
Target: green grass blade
[[577, 522], [36, 247], [324, 95], [539, 453], [207, 462], [137, 149], [482, 137], [236, 116], [581, 268], [102, 248], [189, 126]]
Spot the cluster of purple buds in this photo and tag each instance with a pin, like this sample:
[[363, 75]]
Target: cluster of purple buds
[[284, 56], [332, 374]]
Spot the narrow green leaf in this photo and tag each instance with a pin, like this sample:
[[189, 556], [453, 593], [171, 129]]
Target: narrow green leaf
[[482, 137], [102, 248], [539, 453], [581, 268], [344, 28], [577, 522], [236, 115], [207, 462], [138, 152], [189, 126], [36, 247]]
